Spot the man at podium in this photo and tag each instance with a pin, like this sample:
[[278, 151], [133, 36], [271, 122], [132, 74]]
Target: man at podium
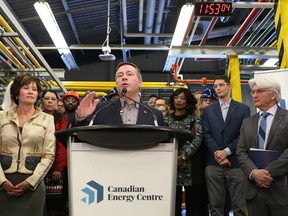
[[127, 109]]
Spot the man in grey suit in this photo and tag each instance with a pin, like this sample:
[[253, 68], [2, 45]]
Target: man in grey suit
[[264, 196], [221, 122]]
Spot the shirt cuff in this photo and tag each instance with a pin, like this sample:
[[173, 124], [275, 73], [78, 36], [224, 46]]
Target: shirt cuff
[[78, 119], [228, 151], [250, 175]]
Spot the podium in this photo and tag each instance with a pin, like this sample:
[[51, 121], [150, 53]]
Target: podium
[[122, 169]]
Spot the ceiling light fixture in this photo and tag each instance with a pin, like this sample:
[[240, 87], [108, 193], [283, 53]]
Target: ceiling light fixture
[[182, 29], [46, 15], [107, 56]]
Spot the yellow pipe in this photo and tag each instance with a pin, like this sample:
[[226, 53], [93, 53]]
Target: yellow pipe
[[107, 86], [19, 43], [82, 93], [11, 56]]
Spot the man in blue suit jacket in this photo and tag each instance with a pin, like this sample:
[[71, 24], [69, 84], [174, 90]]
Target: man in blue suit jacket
[[124, 110], [221, 122], [264, 193]]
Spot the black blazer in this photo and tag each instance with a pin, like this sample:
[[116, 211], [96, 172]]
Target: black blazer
[[112, 115]]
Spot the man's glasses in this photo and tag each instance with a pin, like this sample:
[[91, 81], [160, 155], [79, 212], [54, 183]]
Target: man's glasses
[[220, 85], [259, 91], [70, 100]]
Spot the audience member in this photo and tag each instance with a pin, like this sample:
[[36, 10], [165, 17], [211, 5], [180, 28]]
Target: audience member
[[208, 96], [198, 95], [113, 95], [151, 101], [221, 122], [27, 148], [266, 189], [60, 107], [164, 109], [124, 110], [71, 101], [184, 118], [7, 100], [54, 178], [159, 101]]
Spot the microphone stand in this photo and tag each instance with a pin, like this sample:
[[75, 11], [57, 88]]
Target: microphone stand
[[145, 107], [124, 90]]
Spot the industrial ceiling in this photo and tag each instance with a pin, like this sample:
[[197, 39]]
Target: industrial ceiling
[[137, 27]]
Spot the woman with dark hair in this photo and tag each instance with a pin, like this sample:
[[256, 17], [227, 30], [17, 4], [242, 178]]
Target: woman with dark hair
[[27, 148], [54, 179], [184, 117]]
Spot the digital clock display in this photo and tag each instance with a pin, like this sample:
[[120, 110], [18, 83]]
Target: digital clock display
[[213, 9]]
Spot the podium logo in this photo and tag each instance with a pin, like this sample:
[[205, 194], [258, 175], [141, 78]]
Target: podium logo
[[90, 191]]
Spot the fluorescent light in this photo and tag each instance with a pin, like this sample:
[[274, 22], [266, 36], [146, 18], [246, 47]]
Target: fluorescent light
[[183, 23], [46, 15], [183, 27]]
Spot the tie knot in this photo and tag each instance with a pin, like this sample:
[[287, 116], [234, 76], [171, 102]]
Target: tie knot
[[265, 114]]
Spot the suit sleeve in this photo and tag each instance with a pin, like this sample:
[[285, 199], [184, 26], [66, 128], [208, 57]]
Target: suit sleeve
[[209, 140], [243, 147], [233, 145]]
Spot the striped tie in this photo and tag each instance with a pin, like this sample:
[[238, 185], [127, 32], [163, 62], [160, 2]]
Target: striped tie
[[262, 130]]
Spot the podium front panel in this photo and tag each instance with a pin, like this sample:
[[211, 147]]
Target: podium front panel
[[122, 182]]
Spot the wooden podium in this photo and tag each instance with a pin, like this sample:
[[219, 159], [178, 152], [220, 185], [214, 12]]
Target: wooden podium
[[122, 169]]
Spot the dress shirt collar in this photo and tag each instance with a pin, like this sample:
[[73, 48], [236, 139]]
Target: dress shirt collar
[[272, 110]]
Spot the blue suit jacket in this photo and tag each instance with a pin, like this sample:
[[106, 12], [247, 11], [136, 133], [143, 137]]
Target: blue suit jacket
[[218, 134], [111, 115]]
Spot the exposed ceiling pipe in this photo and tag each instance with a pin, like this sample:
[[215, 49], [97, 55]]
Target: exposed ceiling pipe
[[251, 18], [159, 19], [151, 4], [264, 34], [123, 39], [262, 25], [141, 11], [125, 27], [17, 40]]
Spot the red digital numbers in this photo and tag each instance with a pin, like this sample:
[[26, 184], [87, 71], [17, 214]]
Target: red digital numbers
[[213, 9]]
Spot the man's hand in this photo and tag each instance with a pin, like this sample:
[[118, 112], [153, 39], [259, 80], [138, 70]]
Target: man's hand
[[181, 164], [262, 178], [87, 105], [225, 163], [56, 175], [220, 155]]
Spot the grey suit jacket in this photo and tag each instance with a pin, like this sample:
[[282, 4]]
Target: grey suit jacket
[[277, 140]]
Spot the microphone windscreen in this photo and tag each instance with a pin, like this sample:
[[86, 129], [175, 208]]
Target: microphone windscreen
[[124, 91]]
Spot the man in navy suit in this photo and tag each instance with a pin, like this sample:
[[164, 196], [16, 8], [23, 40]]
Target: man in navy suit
[[221, 122], [264, 196], [124, 110]]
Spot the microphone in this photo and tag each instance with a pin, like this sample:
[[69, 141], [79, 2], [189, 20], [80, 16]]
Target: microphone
[[142, 105], [123, 92]]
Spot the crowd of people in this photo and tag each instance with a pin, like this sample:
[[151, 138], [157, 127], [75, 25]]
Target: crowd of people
[[214, 167]]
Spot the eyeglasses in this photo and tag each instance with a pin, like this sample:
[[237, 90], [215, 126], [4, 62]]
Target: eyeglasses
[[48, 98], [259, 91], [70, 100], [220, 85]]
